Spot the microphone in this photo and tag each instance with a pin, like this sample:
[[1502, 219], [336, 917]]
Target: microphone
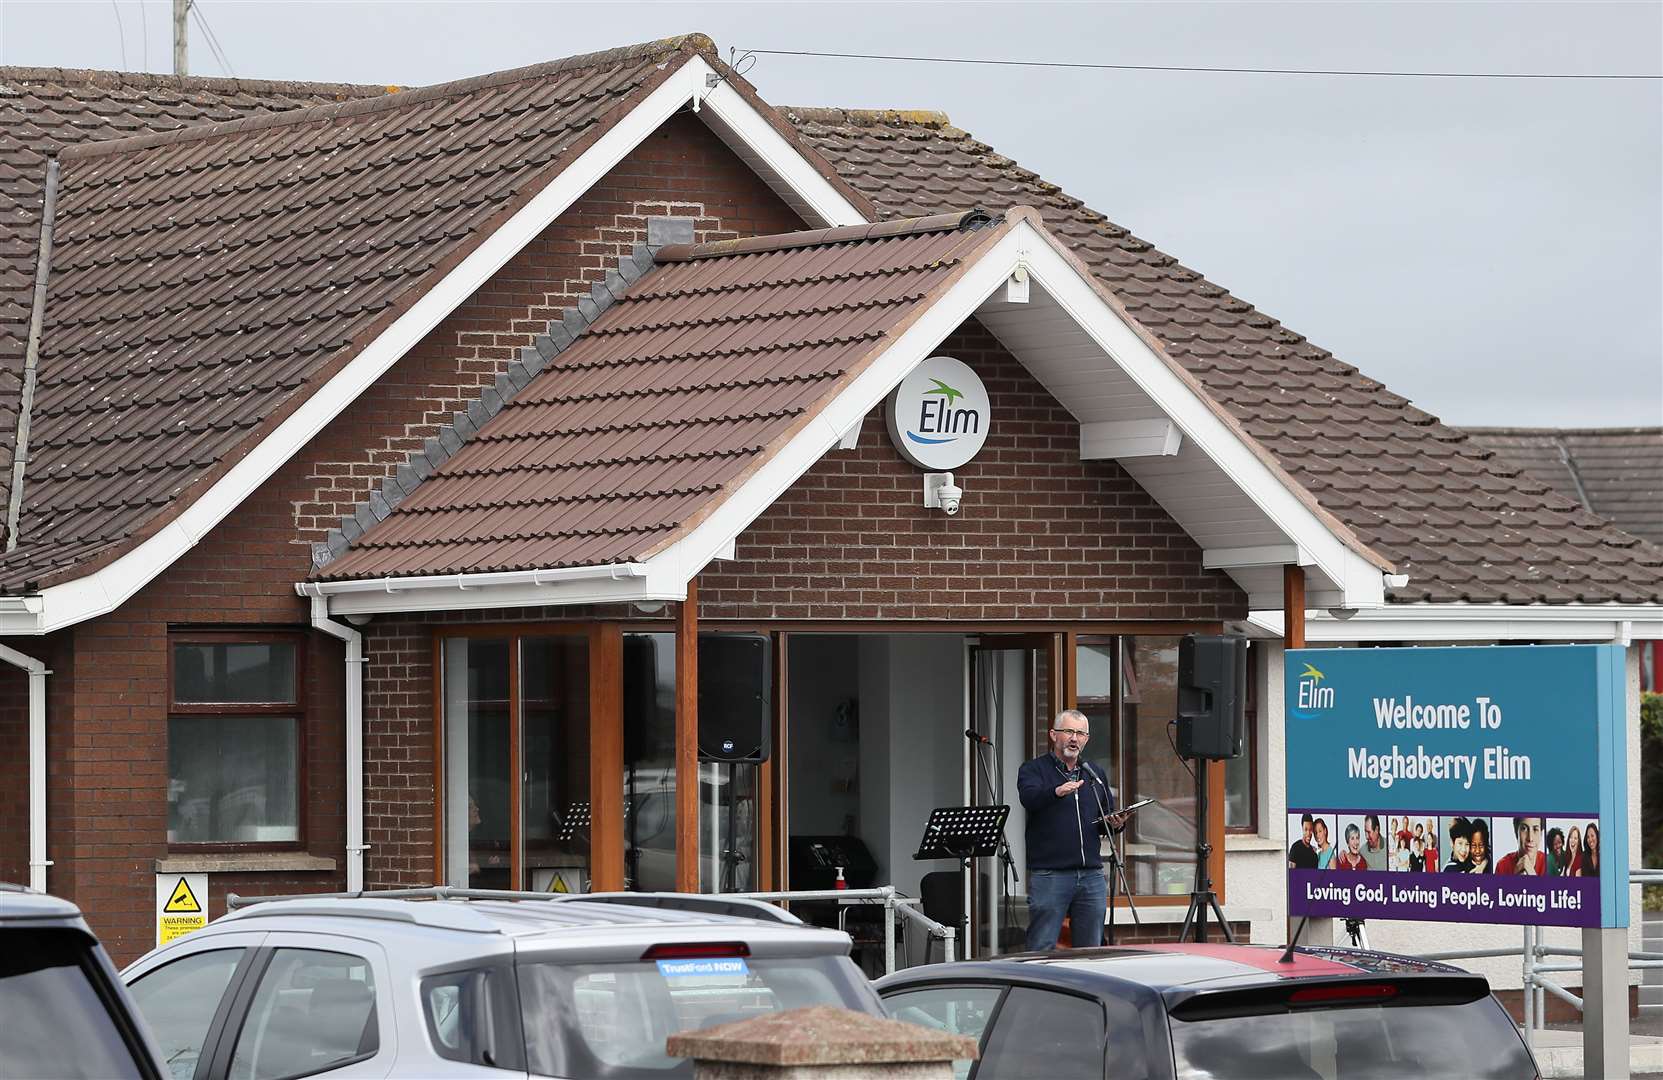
[[975, 736]]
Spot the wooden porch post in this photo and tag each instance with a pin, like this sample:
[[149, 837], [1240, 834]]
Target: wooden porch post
[[606, 757], [1293, 606], [687, 741]]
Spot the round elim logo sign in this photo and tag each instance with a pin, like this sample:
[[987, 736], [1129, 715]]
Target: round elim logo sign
[[939, 415]]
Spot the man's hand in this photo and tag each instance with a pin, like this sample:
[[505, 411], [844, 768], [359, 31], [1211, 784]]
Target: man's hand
[[1117, 821], [1065, 790]]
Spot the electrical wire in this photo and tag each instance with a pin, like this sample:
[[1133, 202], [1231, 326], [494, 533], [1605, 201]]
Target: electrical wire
[[120, 32], [212, 38], [1194, 68]]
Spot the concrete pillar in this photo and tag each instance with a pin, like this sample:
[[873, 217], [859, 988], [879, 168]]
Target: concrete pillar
[[821, 1043], [1605, 1003]]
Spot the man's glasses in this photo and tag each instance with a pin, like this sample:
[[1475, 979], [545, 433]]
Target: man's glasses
[[1075, 732]]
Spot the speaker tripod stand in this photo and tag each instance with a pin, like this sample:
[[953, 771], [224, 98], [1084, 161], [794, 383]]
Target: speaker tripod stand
[[1202, 898]]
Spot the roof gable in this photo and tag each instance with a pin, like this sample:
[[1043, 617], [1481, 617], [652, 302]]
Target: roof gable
[[1461, 524]]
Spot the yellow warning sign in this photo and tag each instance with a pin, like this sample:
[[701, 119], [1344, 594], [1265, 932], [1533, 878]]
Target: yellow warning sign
[[559, 885], [180, 906], [182, 900]]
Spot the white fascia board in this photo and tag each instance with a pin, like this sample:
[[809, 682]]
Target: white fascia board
[[1358, 579], [1129, 438], [732, 119], [106, 589], [611, 583], [1267, 555], [1481, 622], [683, 559]]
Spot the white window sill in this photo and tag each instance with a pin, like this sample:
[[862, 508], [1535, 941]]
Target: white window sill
[[1246, 842], [244, 863]]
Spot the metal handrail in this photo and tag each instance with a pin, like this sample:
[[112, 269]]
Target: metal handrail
[[1536, 984], [761, 905]]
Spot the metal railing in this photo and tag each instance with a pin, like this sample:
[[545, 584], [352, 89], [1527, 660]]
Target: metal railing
[[896, 905], [1536, 974]]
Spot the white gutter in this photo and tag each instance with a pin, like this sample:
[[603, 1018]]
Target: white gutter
[[1479, 622], [472, 581], [355, 845], [38, 862]]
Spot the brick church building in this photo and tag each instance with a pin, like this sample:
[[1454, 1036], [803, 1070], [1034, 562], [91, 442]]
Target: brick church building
[[520, 483]]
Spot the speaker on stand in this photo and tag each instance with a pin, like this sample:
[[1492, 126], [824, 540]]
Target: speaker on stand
[[1212, 726]]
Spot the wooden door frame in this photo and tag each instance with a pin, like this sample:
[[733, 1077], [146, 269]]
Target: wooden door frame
[[604, 668]]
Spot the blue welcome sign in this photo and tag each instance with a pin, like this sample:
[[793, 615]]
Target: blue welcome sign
[[1470, 784]]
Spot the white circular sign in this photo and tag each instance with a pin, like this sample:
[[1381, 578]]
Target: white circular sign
[[939, 415]]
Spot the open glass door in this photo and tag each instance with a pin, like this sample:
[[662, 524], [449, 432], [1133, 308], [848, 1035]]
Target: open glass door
[[1014, 692]]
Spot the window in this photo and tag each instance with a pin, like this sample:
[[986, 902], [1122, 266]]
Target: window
[[54, 1023], [313, 1011], [1060, 1033], [234, 740], [1241, 788], [470, 1017], [956, 1010], [178, 1001], [612, 1020]]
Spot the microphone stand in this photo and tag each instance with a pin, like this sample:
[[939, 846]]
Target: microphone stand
[[1117, 870], [1007, 864]]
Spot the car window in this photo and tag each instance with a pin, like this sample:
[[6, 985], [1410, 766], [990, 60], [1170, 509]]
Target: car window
[[611, 1020], [957, 1010], [178, 1001], [313, 1011], [469, 1017], [1045, 1031], [53, 1025], [1472, 1041]]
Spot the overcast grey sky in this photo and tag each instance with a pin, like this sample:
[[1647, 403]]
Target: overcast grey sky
[[1492, 249]]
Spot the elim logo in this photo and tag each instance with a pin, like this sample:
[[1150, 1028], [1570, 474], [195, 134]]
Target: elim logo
[[1312, 696], [938, 421]]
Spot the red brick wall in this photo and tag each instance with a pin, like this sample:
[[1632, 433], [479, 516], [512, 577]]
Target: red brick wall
[[14, 775], [108, 711], [682, 170], [1042, 534]]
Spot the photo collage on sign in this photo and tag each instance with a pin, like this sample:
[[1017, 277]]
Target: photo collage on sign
[[1408, 842]]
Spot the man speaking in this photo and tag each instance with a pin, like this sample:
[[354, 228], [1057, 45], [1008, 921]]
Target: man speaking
[[1068, 803]]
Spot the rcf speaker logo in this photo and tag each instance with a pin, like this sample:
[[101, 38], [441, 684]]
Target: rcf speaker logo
[[1313, 698]]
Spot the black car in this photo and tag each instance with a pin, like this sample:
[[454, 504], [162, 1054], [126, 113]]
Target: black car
[[63, 1012], [1215, 1012]]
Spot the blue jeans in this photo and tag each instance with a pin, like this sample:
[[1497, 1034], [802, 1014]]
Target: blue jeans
[[1082, 895]]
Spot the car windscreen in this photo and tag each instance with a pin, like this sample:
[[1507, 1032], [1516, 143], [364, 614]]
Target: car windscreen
[[53, 1023], [609, 1021], [1473, 1040]]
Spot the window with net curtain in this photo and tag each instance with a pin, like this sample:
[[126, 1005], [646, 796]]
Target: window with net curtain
[[234, 737]]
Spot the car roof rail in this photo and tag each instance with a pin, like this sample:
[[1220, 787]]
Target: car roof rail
[[737, 907]]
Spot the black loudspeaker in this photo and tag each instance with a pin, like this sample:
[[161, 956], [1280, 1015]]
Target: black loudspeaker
[[1212, 696], [735, 697]]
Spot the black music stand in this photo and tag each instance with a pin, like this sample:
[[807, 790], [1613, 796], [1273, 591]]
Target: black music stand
[[576, 817], [963, 833]]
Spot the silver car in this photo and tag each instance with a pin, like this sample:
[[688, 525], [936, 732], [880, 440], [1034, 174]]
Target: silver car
[[381, 987]]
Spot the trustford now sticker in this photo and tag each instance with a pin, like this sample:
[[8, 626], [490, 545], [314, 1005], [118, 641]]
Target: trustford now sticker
[[724, 967], [939, 415]]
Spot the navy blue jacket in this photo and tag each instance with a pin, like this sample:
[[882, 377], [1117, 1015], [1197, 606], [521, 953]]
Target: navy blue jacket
[[1062, 834]]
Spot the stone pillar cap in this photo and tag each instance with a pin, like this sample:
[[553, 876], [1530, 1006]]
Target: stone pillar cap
[[820, 1035]]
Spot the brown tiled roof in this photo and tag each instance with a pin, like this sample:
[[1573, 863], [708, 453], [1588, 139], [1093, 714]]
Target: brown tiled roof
[[675, 394], [1615, 472], [1462, 524], [205, 280], [43, 110]]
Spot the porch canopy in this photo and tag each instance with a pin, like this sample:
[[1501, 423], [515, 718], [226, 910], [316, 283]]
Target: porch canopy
[[642, 450]]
